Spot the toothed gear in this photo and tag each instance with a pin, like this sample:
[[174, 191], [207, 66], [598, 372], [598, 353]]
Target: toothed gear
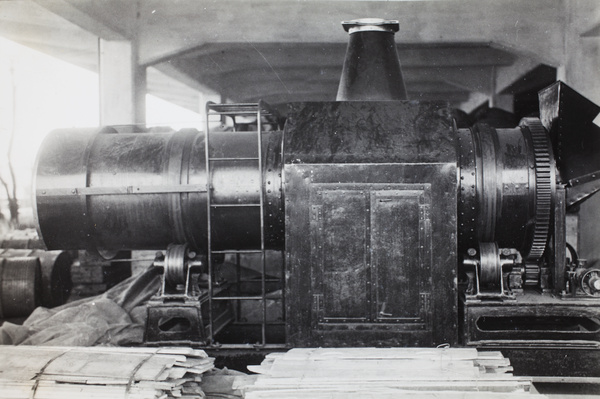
[[544, 186]]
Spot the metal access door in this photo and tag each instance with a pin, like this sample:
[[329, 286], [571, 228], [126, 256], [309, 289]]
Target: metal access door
[[371, 256]]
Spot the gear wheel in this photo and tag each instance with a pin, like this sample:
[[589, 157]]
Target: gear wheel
[[544, 185]]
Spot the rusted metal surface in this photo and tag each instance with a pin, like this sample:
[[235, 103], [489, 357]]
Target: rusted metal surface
[[374, 132]]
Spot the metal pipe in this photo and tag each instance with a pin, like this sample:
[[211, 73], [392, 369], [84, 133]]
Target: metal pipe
[[371, 69]]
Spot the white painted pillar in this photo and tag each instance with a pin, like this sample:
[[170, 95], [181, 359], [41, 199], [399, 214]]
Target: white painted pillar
[[122, 83]]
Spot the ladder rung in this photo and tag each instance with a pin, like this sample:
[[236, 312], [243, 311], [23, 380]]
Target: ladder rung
[[238, 251], [215, 106], [233, 205], [238, 298], [234, 159], [237, 109], [268, 323], [245, 298], [234, 112]]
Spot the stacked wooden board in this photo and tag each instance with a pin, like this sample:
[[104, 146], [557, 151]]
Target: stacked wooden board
[[101, 372], [417, 373]]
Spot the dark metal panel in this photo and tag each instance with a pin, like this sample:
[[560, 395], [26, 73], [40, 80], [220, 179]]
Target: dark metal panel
[[298, 289], [569, 117], [435, 321], [340, 260], [369, 132], [556, 359], [533, 318], [400, 242], [559, 240]]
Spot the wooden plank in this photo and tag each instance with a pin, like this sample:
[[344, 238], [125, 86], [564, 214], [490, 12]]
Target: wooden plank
[[259, 369], [490, 355], [24, 365], [341, 393], [434, 385], [385, 373], [381, 368], [296, 381], [88, 364], [101, 372], [492, 362], [381, 353]]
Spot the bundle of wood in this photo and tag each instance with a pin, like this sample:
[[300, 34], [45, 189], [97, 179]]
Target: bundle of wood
[[101, 372], [417, 373]]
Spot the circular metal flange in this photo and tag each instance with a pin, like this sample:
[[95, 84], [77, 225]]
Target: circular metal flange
[[175, 264], [544, 185], [491, 267], [467, 193], [590, 283], [371, 25]]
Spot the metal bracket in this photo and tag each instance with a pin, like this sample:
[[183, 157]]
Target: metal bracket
[[123, 190]]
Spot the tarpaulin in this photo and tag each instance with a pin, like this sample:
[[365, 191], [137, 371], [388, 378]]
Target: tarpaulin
[[116, 317]]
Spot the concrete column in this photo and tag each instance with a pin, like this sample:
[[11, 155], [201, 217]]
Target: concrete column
[[122, 83], [580, 70], [582, 48]]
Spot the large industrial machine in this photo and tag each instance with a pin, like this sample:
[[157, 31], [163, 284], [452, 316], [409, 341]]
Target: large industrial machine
[[372, 220]]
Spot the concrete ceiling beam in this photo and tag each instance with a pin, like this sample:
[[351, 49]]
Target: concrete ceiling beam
[[37, 35], [454, 99], [181, 76], [93, 23], [219, 58], [512, 23]]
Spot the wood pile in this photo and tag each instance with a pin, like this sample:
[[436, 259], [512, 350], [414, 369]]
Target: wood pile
[[418, 373], [101, 372]]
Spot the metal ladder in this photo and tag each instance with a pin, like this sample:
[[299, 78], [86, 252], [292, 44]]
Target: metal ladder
[[232, 110]]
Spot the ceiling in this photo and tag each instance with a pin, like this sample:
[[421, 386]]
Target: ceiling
[[293, 50], [296, 71]]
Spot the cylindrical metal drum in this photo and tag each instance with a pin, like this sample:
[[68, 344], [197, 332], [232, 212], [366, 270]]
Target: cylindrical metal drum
[[109, 191], [55, 276], [506, 187], [20, 286]]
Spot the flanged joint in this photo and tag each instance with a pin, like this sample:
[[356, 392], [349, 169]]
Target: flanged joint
[[370, 25]]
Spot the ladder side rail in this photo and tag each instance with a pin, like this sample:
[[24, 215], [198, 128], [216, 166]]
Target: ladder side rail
[[209, 257], [262, 226]]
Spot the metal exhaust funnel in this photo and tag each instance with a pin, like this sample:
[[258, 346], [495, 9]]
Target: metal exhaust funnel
[[371, 68]]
